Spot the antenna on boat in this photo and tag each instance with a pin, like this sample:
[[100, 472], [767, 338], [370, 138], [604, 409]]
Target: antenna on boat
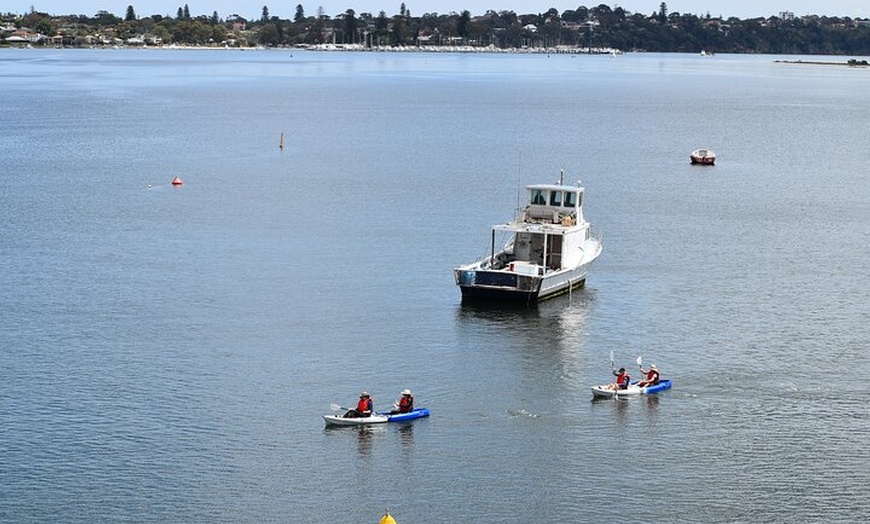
[[561, 176]]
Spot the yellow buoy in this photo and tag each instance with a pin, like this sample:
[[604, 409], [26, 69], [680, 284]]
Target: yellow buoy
[[387, 519]]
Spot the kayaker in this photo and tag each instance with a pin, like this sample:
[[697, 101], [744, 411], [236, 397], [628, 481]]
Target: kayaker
[[405, 404], [622, 380], [364, 408], [652, 376]]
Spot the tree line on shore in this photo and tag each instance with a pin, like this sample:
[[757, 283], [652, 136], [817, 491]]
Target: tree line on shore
[[599, 26]]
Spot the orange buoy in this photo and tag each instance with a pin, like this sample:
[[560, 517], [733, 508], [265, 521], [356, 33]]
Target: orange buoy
[[177, 181]]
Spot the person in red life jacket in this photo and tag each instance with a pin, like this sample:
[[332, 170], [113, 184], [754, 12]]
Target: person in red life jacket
[[405, 404], [622, 380], [364, 408], [652, 376]]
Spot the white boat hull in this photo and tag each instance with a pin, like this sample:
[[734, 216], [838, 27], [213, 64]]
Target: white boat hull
[[605, 392], [338, 420], [479, 282]]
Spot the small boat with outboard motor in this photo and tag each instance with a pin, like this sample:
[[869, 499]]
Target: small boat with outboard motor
[[704, 157]]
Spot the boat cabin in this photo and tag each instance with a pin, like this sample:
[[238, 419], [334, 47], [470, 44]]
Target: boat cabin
[[554, 204]]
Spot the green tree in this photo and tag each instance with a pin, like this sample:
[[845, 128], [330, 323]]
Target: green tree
[[315, 36], [350, 26], [124, 30], [219, 33], [105, 18], [462, 24], [300, 14], [44, 26], [160, 32], [131, 14], [265, 16], [186, 12]]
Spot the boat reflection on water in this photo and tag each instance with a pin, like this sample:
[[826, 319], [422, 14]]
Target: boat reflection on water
[[406, 436], [364, 435], [550, 336], [578, 301]]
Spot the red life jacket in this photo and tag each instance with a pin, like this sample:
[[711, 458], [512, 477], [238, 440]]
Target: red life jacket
[[623, 380], [652, 377], [364, 406], [406, 403]]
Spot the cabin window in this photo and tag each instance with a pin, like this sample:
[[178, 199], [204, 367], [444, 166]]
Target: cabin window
[[539, 197], [570, 199], [555, 198]]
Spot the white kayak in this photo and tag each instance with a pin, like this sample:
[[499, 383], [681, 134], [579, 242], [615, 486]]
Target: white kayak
[[632, 390], [338, 420]]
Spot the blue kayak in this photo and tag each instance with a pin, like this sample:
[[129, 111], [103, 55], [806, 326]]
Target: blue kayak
[[404, 417], [605, 391], [661, 386]]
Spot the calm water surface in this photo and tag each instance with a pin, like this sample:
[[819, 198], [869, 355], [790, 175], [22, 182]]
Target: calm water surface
[[166, 353]]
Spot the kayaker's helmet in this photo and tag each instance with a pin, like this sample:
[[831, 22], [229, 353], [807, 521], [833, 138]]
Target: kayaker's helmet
[[406, 393], [364, 394], [622, 370]]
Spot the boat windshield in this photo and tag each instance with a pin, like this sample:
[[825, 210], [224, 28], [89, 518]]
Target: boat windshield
[[570, 199], [539, 197]]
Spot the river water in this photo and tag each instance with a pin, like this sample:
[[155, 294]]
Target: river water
[[166, 353]]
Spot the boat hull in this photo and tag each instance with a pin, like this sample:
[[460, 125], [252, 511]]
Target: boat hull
[[479, 285], [406, 417], [703, 157], [631, 391], [338, 420]]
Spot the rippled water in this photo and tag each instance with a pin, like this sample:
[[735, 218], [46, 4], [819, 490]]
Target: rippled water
[[167, 353]]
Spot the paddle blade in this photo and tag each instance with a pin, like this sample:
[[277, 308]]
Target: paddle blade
[[639, 361], [335, 407]]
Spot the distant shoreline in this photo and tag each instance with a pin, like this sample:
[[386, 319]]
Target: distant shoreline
[[357, 48], [850, 63]]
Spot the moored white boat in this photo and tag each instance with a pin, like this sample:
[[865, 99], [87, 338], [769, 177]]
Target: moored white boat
[[604, 391], [704, 157], [549, 250]]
